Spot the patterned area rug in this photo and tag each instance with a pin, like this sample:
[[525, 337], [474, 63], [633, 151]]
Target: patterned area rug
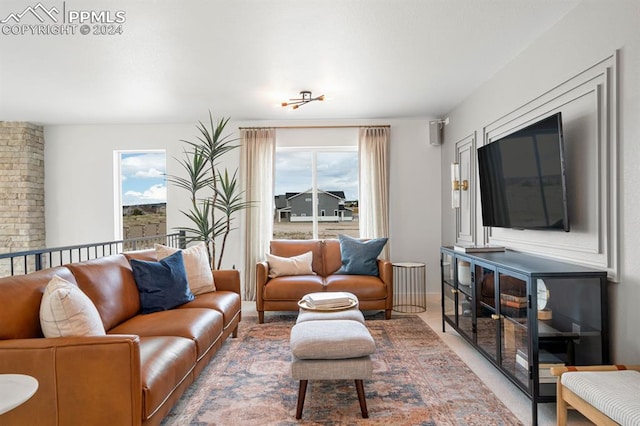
[[417, 380]]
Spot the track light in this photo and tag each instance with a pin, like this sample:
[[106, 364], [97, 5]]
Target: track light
[[305, 98]]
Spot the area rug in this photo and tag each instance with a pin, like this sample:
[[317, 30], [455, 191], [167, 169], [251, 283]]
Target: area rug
[[417, 380]]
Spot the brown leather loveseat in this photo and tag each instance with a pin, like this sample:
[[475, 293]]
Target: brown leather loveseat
[[135, 373], [282, 293]]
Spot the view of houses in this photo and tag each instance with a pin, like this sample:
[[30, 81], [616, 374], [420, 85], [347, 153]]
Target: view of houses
[[332, 207]]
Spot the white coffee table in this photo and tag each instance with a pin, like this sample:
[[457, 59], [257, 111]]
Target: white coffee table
[[15, 389]]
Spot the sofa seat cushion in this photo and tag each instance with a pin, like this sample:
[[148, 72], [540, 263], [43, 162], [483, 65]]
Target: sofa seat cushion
[[365, 287], [203, 326], [165, 362], [292, 287], [227, 303]]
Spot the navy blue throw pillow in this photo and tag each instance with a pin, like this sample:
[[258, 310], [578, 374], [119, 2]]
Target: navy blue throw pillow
[[162, 285], [360, 257]]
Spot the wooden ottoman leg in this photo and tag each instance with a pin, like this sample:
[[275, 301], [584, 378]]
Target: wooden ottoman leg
[[361, 398], [302, 391]]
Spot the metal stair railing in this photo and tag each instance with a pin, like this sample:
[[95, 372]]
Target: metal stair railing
[[24, 262]]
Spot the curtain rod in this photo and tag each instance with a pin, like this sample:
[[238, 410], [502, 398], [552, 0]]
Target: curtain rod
[[313, 127]]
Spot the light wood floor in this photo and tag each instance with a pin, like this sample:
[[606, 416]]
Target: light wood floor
[[510, 395]]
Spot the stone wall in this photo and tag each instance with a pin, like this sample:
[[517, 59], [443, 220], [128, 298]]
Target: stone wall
[[22, 222]]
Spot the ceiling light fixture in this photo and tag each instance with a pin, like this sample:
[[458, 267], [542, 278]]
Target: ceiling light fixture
[[305, 98]]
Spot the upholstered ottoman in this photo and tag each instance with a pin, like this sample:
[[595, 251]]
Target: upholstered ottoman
[[353, 314], [331, 349]]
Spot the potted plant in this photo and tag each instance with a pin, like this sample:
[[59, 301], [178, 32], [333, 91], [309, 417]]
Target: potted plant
[[214, 193]]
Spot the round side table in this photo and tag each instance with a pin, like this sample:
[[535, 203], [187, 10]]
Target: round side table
[[409, 287], [15, 389]]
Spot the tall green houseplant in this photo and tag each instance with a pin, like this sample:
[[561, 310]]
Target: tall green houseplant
[[214, 193]]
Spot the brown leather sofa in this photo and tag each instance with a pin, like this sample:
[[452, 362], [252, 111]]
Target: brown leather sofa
[[283, 293], [132, 376]]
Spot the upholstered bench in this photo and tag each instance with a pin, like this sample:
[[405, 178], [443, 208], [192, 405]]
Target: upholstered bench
[[607, 395], [331, 349]]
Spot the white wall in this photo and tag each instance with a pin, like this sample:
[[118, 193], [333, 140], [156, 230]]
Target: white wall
[[591, 32], [79, 184]]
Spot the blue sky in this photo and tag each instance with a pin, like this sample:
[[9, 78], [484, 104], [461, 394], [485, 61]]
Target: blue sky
[[142, 177], [337, 171], [143, 180]]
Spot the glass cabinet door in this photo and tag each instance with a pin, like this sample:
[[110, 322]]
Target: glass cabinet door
[[514, 308], [569, 325], [448, 288], [464, 284], [486, 313]]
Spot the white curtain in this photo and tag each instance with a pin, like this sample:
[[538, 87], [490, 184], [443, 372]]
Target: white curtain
[[373, 203], [257, 165]]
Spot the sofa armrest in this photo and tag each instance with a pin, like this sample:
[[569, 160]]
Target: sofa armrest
[[262, 277], [385, 271], [81, 380], [227, 279]]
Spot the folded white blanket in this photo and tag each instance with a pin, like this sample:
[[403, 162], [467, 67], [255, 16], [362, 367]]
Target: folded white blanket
[[330, 299]]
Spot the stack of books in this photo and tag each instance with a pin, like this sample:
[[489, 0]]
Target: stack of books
[[513, 301], [512, 305], [546, 361], [329, 300], [477, 248]]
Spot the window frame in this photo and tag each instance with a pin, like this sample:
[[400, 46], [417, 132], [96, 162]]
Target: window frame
[[314, 150]]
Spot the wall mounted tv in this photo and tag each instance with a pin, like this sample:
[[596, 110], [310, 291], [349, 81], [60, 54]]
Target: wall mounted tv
[[522, 178]]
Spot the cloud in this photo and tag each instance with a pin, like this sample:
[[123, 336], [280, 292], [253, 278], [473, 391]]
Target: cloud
[[144, 165], [155, 194], [142, 178], [151, 173]]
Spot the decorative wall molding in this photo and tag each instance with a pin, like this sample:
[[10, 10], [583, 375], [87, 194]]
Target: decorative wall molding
[[465, 215], [589, 105]]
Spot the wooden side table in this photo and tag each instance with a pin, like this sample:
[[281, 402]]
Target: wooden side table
[[15, 389], [409, 287]]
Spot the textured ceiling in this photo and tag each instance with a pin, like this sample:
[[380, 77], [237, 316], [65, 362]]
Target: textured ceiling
[[241, 58]]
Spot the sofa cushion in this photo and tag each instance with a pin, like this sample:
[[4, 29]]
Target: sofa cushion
[[196, 262], [21, 297], [365, 287], [109, 283], [163, 285], [360, 257], [292, 288], [290, 248], [202, 326], [165, 362], [294, 265], [227, 303], [65, 311]]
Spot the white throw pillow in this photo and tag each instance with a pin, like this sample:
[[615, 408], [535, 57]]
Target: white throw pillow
[[196, 262], [65, 311], [296, 265]]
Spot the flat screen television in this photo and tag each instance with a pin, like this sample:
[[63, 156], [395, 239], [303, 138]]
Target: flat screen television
[[522, 178]]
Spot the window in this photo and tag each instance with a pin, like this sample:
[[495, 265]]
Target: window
[[325, 177], [141, 194]]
